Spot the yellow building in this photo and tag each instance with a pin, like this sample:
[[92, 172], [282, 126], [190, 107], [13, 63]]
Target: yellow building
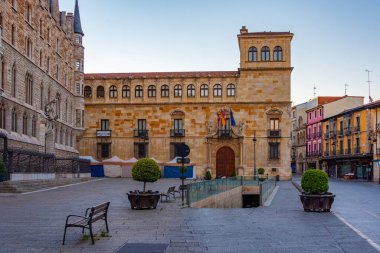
[[232, 120], [348, 143]]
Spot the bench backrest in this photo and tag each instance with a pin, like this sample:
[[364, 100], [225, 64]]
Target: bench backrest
[[98, 212], [171, 189]]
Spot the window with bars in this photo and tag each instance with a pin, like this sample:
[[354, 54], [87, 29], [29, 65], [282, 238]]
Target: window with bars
[[204, 90], [178, 90], [252, 54], [217, 90], [113, 92], [152, 91], [139, 91], [277, 53], [274, 152], [164, 91]]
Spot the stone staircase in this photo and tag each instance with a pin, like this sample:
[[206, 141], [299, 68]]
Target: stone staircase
[[36, 185]]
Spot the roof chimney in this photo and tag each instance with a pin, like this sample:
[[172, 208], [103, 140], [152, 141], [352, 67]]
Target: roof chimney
[[243, 30]]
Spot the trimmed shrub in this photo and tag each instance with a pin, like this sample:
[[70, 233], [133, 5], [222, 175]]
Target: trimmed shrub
[[146, 170], [208, 175], [260, 171], [315, 181], [233, 173]]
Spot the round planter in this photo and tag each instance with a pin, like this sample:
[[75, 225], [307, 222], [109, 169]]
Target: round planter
[[143, 200]]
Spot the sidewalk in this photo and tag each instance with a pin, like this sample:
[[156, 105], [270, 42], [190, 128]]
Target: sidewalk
[[35, 222]]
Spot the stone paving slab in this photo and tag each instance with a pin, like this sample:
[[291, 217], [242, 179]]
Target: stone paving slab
[[35, 222]]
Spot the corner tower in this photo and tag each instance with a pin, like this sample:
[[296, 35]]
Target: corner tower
[[79, 70]]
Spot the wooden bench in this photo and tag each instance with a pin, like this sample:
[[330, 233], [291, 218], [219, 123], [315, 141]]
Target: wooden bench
[[93, 214], [170, 192]]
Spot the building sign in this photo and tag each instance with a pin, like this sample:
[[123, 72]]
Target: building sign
[[106, 133]]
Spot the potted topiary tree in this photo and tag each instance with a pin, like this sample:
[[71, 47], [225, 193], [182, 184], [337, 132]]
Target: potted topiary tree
[[208, 175], [261, 172], [315, 196], [145, 170]]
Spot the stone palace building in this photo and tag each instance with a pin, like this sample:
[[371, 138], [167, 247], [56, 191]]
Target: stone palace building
[[232, 120], [41, 76]]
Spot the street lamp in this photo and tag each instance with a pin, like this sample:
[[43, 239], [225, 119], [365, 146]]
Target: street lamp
[[254, 153]]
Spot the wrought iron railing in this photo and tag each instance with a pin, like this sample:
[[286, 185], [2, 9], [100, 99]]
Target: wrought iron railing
[[177, 132], [141, 133], [274, 133], [224, 133]]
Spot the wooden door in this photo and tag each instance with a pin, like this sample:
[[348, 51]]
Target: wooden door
[[225, 162]]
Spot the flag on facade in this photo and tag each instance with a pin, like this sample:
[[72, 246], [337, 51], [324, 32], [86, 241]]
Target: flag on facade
[[233, 123], [223, 118]]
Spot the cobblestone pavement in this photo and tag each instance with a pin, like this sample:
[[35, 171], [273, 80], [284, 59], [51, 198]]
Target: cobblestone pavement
[[35, 222]]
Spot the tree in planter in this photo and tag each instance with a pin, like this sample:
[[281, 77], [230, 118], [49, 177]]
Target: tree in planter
[[315, 184], [233, 173], [146, 170], [260, 171], [208, 175], [315, 181]]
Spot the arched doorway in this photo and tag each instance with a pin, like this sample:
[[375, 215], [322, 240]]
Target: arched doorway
[[225, 162]]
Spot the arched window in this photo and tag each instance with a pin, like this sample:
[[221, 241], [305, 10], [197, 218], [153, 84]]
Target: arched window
[[87, 92], [2, 116], [178, 90], [231, 90], [100, 92], [29, 48], [34, 126], [126, 91], [151, 91], [14, 120], [277, 54], [1, 24], [164, 91], [58, 105], [204, 90], [29, 13], [113, 91], [139, 91], [265, 54], [217, 90], [191, 90], [29, 89], [252, 54], [25, 124]]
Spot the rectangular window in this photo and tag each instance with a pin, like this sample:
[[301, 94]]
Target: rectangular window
[[348, 146], [141, 150], [341, 147], [177, 124], [327, 149], [104, 125], [141, 124], [104, 150], [274, 124], [274, 152], [357, 148]]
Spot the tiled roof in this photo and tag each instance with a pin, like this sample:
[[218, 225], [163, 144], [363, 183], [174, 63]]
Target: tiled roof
[[326, 100], [161, 74]]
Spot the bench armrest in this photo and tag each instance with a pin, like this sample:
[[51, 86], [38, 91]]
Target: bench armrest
[[87, 211], [78, 216]]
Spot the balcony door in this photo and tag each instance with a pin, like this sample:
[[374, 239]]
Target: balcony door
[[225, 162]]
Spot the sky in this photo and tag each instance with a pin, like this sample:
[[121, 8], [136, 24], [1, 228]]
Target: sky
[[334, 41]]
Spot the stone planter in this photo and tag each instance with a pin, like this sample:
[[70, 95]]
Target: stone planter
[[317, 202], [143, 200]]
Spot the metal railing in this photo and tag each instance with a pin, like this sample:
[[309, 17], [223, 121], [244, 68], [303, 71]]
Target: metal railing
[[141, 133], [274, 133], [327, 135], [207, 188], [177, 132], [224, 133]]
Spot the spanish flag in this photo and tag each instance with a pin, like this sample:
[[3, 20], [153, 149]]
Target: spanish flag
[[223, 118]]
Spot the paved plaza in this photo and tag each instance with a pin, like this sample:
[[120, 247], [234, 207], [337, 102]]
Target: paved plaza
[[35, 222]]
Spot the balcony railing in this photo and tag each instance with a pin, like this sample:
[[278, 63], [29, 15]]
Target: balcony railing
[[347, 151], [327, 135], [224, 133], [327, 153], [274, 133], [177, 132], [332, 134], [357, 150], [347, 131], [141, 133], [357, 129], [103, 133], [340, 132]]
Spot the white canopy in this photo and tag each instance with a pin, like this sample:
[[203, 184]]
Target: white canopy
[[154, 159], [132, 160], [114, 159], [89, 158]]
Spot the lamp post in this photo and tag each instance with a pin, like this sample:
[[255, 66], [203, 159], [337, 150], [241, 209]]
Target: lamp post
[[254, 153]]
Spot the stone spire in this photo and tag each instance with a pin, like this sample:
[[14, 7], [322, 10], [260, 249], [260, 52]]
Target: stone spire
[[77, 22]]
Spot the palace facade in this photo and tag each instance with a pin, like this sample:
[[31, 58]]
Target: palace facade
[[41, 76], [232, 120]]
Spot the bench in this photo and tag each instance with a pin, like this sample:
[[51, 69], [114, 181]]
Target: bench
[[93, 214], [170, 192]]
